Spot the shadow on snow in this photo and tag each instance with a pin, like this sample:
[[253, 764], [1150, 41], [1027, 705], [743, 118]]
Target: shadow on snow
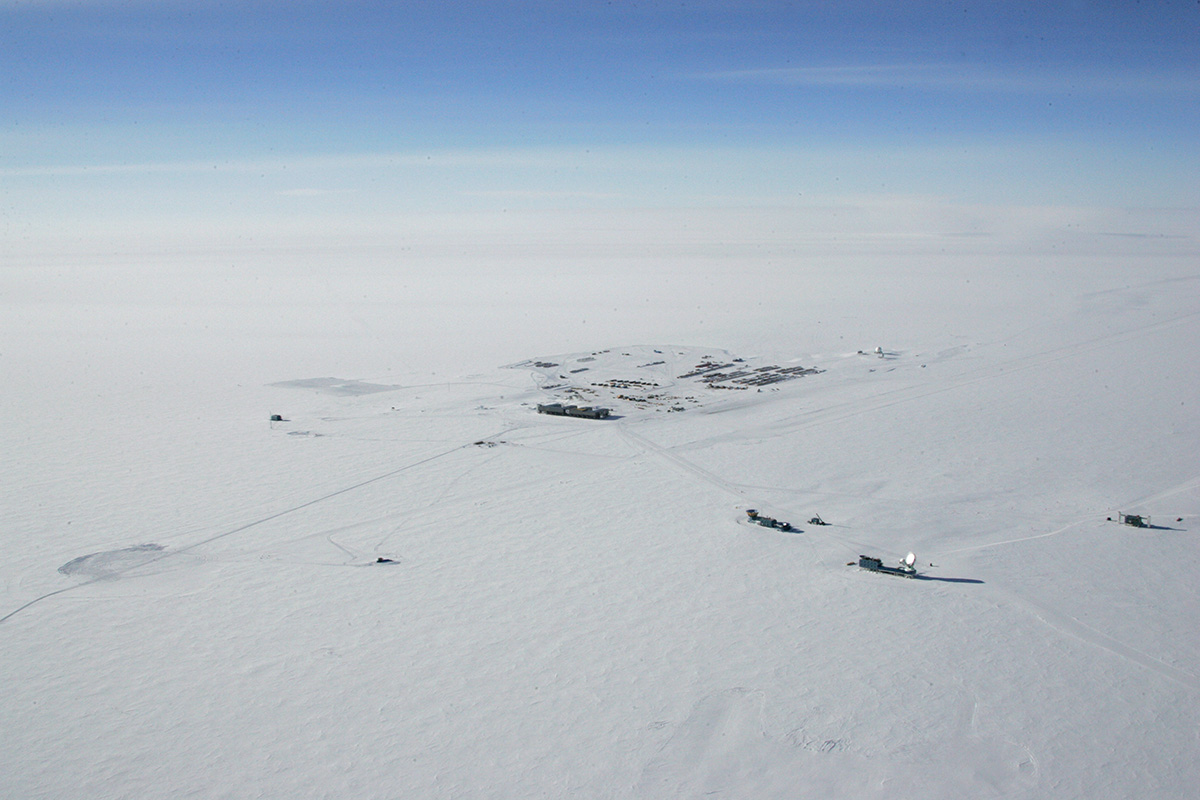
[[946, 580]]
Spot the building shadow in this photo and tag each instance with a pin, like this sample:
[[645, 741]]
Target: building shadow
[[946, 580]]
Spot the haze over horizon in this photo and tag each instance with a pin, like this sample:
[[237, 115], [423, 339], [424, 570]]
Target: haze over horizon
[[227, 122]]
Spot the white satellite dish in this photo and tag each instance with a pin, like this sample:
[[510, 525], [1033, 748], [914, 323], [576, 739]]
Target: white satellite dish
[[910, 560]]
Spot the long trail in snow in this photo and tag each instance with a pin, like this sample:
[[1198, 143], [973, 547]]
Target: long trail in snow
[[239, 529]]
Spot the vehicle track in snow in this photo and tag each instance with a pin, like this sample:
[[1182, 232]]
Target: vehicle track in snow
[[1066, 624], [1069, 625], [738, 491], [240, 529], [679, 461], [1188, 485], [1058, 620]]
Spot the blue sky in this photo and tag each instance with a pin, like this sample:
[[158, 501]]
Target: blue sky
[[203, 112]]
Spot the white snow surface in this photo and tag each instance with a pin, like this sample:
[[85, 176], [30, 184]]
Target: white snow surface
[[192, 603]]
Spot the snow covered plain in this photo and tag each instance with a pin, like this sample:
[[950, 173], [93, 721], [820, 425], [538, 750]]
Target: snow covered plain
[[193, 606]]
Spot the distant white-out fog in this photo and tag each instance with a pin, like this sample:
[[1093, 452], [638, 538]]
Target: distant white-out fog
[[491, 287]]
